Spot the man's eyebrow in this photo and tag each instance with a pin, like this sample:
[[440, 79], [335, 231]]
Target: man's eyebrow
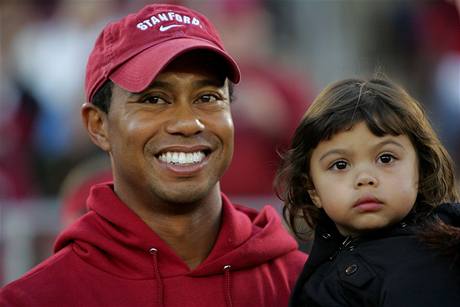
[[198, 83], [158, 83], [209, 82], [155, 84]]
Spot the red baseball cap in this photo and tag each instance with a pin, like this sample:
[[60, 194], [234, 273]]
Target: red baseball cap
[[132, 51]]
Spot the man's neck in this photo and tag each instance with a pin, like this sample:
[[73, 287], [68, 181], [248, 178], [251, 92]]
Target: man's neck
[[191, 236], [190, 233]]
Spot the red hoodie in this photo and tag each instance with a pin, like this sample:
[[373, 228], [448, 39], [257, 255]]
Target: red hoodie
[[110, 257]]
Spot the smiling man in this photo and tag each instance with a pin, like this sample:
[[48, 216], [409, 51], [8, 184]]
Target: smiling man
[[158, 87]]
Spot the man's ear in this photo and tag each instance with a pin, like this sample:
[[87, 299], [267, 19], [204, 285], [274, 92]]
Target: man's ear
[[315, 198], [95, 122]]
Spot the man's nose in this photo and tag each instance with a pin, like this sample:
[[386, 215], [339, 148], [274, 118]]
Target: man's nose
[[184, 121]]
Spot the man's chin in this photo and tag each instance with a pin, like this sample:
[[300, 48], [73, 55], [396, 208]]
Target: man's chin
[[187, 198]]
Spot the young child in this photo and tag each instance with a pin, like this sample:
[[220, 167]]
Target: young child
[[369, 176]]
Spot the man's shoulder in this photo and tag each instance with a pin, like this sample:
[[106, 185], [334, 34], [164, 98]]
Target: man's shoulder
[[51, 266], [294, 260], [55, 272]]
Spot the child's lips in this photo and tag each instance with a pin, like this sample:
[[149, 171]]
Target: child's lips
[[368, 204]]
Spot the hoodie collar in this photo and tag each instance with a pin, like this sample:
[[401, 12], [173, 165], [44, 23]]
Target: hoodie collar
[[247, 238], [113, 238]]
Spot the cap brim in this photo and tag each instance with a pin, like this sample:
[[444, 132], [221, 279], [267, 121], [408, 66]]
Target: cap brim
[[136, 74]]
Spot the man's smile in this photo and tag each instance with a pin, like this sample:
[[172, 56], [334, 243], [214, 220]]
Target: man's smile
[[181, 158]]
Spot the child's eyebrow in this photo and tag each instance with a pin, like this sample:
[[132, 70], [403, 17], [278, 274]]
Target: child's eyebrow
[[376, 146], [390, 142], [333, 151]]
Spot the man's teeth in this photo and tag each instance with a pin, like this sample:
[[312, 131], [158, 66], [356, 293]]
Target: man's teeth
[[182, 157]]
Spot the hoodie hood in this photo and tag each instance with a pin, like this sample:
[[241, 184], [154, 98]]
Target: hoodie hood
[[114, 239]]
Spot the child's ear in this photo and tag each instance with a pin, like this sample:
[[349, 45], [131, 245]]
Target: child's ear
[[315, 198]]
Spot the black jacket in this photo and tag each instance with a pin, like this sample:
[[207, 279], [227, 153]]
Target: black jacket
[[388, 267]]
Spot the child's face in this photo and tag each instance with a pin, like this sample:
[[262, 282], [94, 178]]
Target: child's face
[[362, 181]]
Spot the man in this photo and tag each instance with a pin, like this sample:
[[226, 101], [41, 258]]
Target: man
[[158, 87]]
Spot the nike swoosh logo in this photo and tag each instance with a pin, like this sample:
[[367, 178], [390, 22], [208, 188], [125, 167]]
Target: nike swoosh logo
[[166, 28]]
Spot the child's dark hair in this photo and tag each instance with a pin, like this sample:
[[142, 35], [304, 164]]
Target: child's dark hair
[[386, 108]]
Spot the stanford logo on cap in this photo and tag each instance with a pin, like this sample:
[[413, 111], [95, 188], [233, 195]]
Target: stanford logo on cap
[[169, 16]]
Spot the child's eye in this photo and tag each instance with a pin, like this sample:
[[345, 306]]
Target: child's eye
[[386, 158], [339, 165]]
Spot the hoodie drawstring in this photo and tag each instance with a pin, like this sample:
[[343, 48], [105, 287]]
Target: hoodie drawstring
[[154, 252], [227, 285]]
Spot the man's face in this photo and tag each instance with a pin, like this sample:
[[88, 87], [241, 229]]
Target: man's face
[[172, 142]]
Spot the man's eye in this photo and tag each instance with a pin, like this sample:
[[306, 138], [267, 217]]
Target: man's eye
[[339, 165], [208, 98], [152, 99], [386, 158]]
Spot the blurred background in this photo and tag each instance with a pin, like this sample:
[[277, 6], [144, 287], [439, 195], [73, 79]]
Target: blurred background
[[287, 49]]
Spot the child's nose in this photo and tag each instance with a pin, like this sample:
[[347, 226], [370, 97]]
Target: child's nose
[[365, 179]]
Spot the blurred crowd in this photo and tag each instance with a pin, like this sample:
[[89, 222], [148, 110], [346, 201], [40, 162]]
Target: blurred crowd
[[44, 46], [287, 51]]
